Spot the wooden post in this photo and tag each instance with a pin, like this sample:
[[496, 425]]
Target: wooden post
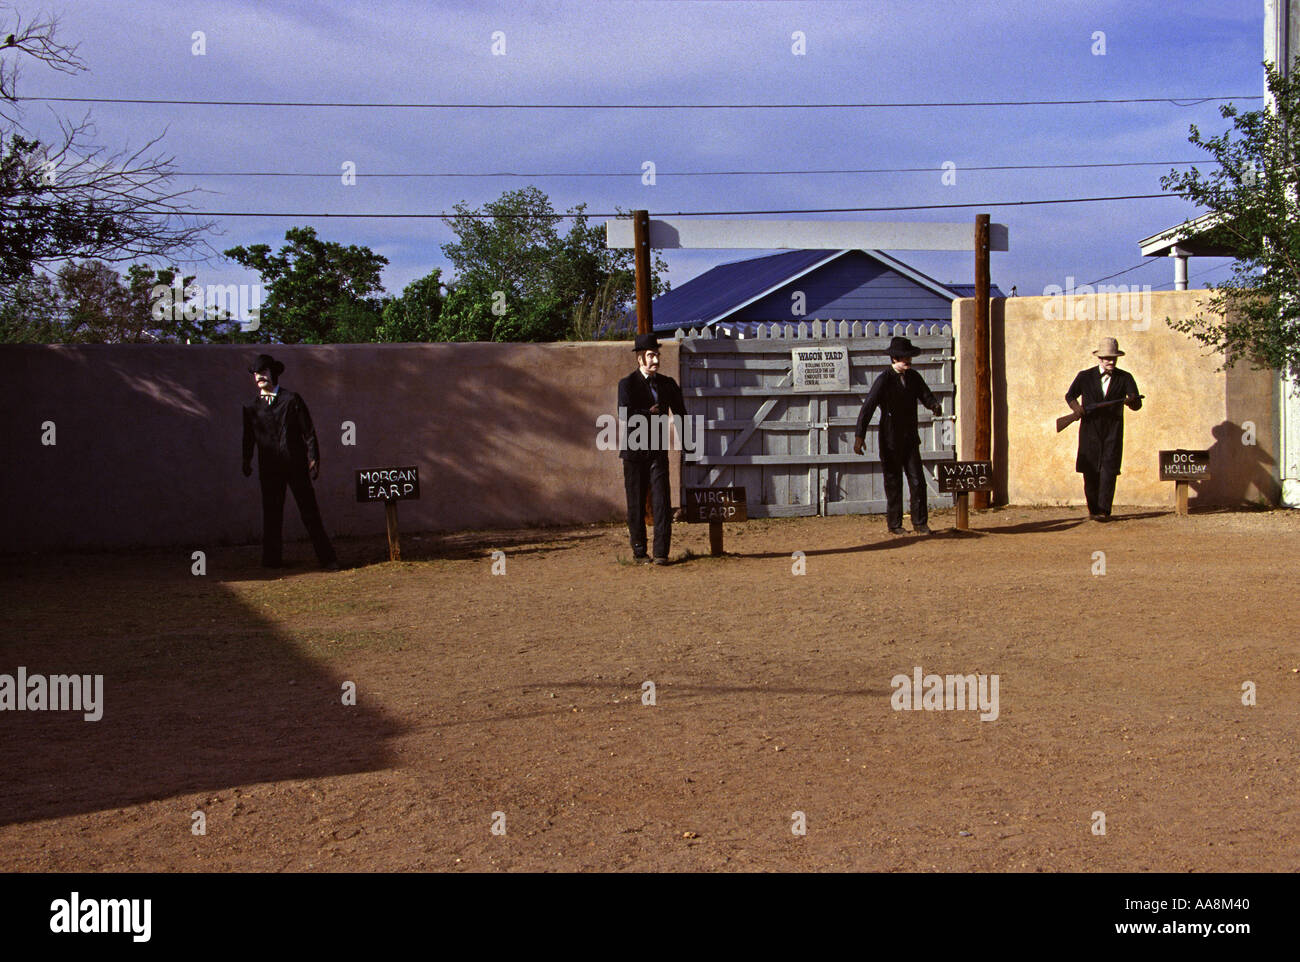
[[715, 539], [644, 315], [983, 376], [963, 511], [1180, 494], [394, 548], [641, 257]]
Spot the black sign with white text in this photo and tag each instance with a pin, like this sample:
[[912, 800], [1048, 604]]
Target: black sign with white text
[[388, 484]]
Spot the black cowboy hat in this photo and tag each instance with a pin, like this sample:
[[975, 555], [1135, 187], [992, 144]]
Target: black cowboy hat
[[901, 347], [646, 342], [264, 362]]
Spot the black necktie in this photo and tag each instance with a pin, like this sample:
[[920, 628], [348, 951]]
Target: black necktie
[[650, 383]]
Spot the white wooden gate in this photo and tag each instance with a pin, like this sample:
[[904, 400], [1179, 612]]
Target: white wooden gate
[[793, 450]]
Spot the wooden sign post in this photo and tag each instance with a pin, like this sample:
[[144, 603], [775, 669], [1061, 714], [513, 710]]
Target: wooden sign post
[[714, 506], [1183, 467], [962, 477], [389, 485]]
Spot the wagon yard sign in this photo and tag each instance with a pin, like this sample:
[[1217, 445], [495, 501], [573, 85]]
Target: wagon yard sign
[[820, 368], [389, 485]]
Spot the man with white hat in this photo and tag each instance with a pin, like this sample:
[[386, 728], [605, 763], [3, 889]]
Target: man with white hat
[[1094, 396]]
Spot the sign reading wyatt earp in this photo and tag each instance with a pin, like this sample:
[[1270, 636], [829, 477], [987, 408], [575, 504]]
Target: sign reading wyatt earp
[[715, 504], [821, 368], [957, 476], [388, 484], [1184, 465]]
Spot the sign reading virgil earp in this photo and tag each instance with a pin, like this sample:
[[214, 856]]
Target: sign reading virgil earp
[[715, 504], [821, 368], [388, 484]]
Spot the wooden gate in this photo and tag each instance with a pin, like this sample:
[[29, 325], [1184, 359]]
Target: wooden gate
[[792, 450]]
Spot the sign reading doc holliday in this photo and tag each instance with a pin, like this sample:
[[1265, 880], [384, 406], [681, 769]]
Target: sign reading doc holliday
[[1184, 465], [714, 504], [388, 484], [958, 476], [821, 368]]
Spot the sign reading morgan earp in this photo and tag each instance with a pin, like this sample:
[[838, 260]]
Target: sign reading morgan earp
[[1183, 465], [957, 476], [388, 484], [822, 368], [715, 504]]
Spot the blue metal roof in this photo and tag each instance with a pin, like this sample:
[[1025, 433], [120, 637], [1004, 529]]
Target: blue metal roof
[[861, 286]]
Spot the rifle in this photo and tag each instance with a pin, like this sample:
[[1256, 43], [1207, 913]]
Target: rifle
[[1064, 422]]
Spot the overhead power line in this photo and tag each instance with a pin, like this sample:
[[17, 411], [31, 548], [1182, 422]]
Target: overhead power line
[[1175, 101], [685, 173], [682, 213]]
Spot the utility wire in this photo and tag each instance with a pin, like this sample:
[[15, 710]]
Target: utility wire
[[687, 173], [680, 213], [1176, 101]]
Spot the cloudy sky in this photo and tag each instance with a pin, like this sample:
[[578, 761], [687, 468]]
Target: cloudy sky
[[685, 56]]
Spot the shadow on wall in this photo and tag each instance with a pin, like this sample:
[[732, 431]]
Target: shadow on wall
[[1240, 473], [148, 438], [199, 693]]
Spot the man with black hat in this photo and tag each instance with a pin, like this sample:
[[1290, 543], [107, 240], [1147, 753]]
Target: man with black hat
[[280, 427], [896, 392], [648, 399], [1101, 425]]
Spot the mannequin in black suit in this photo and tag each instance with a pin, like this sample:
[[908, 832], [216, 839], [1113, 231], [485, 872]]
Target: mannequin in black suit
[[896, 392], [279, 426], [642, 395], [1101, 430]]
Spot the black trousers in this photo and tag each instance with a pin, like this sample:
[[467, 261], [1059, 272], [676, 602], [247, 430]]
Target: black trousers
[[273, 516], [638, 478], [895, 463], [1099, 489]]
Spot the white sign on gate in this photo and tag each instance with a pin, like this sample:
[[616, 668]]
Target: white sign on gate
[[821, 368]]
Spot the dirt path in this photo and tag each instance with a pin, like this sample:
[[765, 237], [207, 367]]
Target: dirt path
[[522, 693]]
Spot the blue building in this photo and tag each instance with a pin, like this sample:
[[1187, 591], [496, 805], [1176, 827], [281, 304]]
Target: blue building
[[807, 285]]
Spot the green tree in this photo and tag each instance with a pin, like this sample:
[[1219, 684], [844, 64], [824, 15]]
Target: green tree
[[519, 279], [315, 291], [416, 314], [1252, 193]]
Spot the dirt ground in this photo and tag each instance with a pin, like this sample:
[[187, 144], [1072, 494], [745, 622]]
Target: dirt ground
[[515, 701]]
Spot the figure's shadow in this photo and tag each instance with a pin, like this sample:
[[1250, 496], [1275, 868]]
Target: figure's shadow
[[1235, 469]]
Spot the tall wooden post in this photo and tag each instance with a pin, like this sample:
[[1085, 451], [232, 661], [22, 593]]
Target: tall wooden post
[[983, 375], [641, 256]]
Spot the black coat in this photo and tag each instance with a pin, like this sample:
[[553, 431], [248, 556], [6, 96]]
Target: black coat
[[282, 433], [634, 398], [897, 399], [1101, 432]]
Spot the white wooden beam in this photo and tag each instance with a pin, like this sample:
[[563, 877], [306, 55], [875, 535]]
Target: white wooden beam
[[678, 233]]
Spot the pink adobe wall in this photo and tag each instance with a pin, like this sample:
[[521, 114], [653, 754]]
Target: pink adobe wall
[[148, 438]]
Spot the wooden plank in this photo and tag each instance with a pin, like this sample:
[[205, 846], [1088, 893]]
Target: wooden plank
[[682, 233]]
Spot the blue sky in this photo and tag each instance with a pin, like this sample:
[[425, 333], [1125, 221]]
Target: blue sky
[[673, 52]]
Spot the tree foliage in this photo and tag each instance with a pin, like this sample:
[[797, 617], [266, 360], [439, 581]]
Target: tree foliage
[[315, 291], [519, 279], [1255, 314]]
